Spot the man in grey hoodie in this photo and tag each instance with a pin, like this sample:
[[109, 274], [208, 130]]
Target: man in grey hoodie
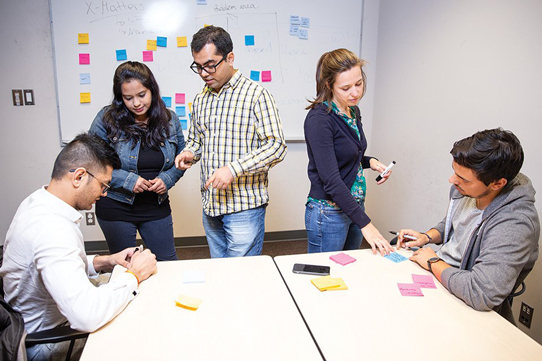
[[491, 230]]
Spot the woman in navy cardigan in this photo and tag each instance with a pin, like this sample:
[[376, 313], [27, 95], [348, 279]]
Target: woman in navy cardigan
[[335, 215]]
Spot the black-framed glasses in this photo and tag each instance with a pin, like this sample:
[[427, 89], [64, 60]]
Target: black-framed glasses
[[105, 186], [209, 69]]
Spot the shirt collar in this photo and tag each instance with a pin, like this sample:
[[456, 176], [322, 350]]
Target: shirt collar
[[232, 83], [60, 207]]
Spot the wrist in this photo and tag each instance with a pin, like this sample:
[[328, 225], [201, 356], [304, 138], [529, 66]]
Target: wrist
[[136, 276], [429, 238]]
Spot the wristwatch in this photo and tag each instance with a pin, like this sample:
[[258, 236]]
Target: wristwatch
[[432, 260]]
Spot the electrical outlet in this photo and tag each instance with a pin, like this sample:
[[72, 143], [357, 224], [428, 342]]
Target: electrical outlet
[[526, 315], [90, 218]]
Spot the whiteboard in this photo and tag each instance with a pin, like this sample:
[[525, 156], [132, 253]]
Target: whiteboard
[[114, 25]]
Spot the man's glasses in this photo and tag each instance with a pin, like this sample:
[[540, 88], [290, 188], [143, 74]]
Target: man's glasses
[[105, 186], [209, 69]]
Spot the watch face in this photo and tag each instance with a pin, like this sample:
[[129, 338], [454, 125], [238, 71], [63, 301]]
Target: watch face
[[433, 260]]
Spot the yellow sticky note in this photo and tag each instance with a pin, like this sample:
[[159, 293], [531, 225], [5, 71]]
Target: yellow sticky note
[[188, 302], [181, 41], [151, 44], [342, 285], [84, 97], [82, 38], [323, 283], [190, 107], [206, 25]]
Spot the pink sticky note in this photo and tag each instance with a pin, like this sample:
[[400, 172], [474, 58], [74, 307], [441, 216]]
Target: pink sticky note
[[266, 75], [84, 58], [179, 98], [424, 281], [342, 258], [147, 55], [410, 289]]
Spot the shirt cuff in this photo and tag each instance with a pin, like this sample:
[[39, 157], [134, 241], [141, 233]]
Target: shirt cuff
[[91, 271]]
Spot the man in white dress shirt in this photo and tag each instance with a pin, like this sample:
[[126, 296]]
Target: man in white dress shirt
[[45, 269]]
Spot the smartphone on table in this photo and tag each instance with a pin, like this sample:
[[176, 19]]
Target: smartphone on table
[[311, 269]]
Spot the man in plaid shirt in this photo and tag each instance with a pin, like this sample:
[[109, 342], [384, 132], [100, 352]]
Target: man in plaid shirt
[[237, 134]]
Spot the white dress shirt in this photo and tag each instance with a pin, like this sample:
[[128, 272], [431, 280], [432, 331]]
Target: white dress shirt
[[46, 271]]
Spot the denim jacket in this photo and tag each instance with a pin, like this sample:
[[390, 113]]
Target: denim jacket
[[124, 179]]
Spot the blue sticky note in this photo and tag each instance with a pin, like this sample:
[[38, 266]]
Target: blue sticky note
[[294, 20], [249, 40], [180, 111], [201, 2], [121, 54], [184, 124], [294, 30], [395, 257], [84, 78], [255, 75], [305, 22], [161, 41], [167, 100], [303, 34]]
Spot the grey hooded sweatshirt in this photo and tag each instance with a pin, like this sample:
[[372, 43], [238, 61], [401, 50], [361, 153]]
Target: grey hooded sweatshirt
[[501, 251]]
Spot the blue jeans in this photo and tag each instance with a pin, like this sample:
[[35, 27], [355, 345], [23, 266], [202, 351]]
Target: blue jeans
[[236, 234], [330, 230], [157, 236]]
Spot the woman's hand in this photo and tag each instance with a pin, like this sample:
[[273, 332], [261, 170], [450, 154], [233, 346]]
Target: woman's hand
[[375, 239], [379, 167], [141, 185], [158, 186]]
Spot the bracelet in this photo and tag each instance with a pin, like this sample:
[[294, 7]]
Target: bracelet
[[429, 238], [137, 278]]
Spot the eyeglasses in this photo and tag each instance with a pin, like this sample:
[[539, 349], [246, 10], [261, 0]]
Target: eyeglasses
[[105, 186], [209, 69]]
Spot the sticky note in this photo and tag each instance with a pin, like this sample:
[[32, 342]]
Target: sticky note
[[305, 22], [181, 41], [121, 54], [161, 41], [202, 2], [395, 257], [84, 97], [190, 107], [184, 124], [294, 30], [82, 38], [266, 75], [151, 44], [255, 75], [410, 289], [342, 258], [294, 20], [84, 78], [180, 111], [424, 281], [180, 98], [327, 283], [193, 276], [303, 34], [167, 101], [147, 55], [84, 59], [249, 40], [188, 302]]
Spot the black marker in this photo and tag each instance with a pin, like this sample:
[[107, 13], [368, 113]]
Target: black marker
[[405, 236], [385, 171]]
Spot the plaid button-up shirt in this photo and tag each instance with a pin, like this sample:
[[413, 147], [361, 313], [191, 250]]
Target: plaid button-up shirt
[[238, 127]]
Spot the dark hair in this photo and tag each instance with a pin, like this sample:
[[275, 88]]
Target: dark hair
[[119, 119], [88, 151], [212, 35], [492, 154], [329, 66]]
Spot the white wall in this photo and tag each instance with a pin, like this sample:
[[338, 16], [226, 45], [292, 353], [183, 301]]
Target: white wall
[[447, 69]]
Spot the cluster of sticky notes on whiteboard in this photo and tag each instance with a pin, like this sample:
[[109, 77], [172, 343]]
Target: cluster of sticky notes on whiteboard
[[84, 59], [299, 26], [257, 75]]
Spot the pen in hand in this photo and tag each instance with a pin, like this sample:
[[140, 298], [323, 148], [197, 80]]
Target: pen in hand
[[406, 236]]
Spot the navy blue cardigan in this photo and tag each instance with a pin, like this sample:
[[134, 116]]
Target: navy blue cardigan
[[335, 153]]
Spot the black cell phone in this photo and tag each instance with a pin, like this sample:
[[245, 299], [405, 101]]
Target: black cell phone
[[311, 269]]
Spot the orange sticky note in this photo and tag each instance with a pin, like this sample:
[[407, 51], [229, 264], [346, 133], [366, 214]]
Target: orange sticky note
[[181, 41], [82, 38], [188, 302], [151, 44], [84, 97], [190, 107]]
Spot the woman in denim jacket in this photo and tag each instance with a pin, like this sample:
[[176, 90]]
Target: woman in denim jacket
[[147, 136]]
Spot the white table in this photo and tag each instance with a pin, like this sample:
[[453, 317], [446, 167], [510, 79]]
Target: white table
[[372, 321], [246, 314]]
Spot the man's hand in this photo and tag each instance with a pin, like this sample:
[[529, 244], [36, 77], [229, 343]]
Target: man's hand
[[158, 186], [220, 179], [141, 185], [375, 239], [106, 263], [184, 160], [422, 255], [421, 239], [142, 264]]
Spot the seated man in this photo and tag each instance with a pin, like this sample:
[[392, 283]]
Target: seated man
[[45, 268], [491, 231]]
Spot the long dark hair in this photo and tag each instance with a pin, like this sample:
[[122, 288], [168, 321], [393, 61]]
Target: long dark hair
[[329, 66], [119, 119]]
